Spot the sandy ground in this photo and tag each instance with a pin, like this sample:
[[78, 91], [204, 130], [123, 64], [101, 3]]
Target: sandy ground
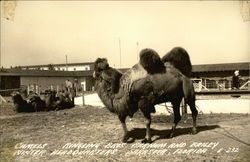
[[88, 133]]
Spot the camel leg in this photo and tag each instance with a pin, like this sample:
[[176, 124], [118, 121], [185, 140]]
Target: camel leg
[[124, 127], [177, 117], [189, 95], [194, 115], [147, 139], [145, 107]]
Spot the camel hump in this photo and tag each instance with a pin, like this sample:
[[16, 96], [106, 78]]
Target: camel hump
[[179, 57], [151, 61]]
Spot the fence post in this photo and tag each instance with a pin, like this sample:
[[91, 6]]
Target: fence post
[[39, 90], [36, 89], [28, 91], [83, 100], [205, 82]]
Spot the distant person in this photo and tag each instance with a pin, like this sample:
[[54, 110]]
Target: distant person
[[236, 80], [75, 87], [69, 89], [68, 86]]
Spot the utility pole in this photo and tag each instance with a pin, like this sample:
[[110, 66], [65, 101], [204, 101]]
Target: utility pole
[[66, 62], [137, 48], [0, 58], [120, 52], [0, 53]]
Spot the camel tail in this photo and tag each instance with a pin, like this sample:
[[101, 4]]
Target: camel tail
[[179, 57], [188, 89]]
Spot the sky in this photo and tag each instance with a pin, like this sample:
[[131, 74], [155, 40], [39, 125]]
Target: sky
[[44, 32]]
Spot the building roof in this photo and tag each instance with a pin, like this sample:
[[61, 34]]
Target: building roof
[[46, 73], [64, 64], [221, 67], [216, 67]]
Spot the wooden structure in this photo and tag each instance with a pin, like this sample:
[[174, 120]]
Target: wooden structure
[[39, 80], [219, 76]]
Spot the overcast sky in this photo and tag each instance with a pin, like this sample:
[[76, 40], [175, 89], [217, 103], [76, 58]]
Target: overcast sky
[[44, 32]]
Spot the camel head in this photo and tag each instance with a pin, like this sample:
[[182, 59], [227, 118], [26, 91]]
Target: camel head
[[100, 65], [16, 97]]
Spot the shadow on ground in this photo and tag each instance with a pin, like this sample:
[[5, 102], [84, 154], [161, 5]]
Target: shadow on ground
[[139, 133]]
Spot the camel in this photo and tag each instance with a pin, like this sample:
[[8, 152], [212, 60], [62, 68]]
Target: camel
[[151, 81]]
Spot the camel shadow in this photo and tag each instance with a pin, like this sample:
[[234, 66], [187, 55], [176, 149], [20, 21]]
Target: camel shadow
[[139, 133]]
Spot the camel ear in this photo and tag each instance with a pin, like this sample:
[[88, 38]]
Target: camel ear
[[94, 75]]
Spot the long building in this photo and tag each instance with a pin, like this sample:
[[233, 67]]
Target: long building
[[39, 80], [208, 76]]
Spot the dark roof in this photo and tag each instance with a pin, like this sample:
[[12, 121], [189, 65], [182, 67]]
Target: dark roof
[[221, 67], [49, 73], [216, 67]]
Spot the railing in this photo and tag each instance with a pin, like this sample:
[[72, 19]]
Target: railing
[[205, 84], [245, 85]]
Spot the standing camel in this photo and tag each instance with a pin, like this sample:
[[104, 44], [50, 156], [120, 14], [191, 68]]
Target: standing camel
[[152, 81]]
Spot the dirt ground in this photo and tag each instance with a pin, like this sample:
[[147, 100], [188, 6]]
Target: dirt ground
[[87, 133]]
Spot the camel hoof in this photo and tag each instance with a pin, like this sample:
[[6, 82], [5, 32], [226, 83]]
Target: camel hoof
[[171, 135], [125, 139], [146, 140], [194, 131]]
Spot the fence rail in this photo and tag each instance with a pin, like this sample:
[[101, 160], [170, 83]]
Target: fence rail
[[221, 84], [231, 92], [6, 90]]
